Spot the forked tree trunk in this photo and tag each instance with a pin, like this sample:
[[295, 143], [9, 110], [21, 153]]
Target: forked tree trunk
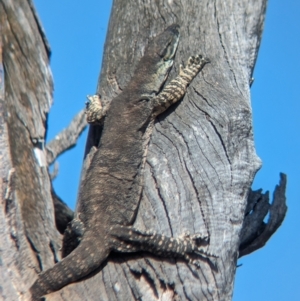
[[201, 159]]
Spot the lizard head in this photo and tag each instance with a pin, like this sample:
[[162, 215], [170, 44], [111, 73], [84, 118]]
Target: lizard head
[[155, 65], [165, 44]]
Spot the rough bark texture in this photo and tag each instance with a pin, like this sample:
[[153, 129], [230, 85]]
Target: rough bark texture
[[201, 159], [29, 239]]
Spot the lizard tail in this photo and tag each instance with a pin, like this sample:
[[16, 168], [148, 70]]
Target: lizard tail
[[82, 261]]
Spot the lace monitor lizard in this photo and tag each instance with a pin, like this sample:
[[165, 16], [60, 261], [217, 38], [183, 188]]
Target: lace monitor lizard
[[110, 193]]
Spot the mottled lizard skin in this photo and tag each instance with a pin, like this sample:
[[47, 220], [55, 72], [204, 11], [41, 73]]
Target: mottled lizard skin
[[111, 190]]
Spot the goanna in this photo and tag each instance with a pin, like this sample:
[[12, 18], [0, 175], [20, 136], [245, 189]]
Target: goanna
[[110, 193]]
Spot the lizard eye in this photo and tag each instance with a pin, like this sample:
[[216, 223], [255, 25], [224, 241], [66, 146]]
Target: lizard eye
[[167, 53]]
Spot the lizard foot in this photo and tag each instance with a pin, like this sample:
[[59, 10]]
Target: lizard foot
[[72, 236], [193, 66], [189, 247], [94, 109]]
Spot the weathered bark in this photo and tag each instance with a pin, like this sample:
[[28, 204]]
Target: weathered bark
[[256, 232], [29, 239], [201, 159]]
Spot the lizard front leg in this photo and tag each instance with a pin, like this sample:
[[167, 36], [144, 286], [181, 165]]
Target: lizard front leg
[[95, 109], [176, 89]]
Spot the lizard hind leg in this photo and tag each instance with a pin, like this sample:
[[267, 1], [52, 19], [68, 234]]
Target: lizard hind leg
[[72, 236], [128, 239]]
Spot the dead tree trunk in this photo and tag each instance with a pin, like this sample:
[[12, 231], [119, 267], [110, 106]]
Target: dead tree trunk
[[28, 236], [29, 239], [201, 159]]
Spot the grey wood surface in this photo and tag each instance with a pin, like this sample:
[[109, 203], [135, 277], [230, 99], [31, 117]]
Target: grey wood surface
[[28, 238]]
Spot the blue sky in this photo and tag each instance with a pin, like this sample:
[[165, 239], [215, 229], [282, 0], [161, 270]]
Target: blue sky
[[76, 31]]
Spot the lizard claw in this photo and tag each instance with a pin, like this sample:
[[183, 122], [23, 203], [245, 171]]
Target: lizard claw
[[197, 60]]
